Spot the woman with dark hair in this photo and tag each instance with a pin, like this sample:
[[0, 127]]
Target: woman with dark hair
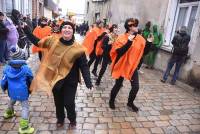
[[108, 40], [125, 55], [59, 71]]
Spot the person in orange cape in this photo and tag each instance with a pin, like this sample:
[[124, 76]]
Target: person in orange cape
[[41, 31], [56, 30], [90, 42], [60, 70], [107, 42], [125, 55]]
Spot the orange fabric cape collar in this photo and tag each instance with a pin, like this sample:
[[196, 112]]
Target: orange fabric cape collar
[[127, 64]]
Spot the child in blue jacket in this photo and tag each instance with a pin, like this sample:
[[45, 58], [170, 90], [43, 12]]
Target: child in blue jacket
[[17, 77]]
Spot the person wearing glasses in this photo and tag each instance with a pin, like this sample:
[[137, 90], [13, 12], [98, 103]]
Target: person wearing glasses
[[125, 55]]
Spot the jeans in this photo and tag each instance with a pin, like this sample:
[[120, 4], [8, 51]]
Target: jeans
[[25, 108], [3, 51], [178, 60]]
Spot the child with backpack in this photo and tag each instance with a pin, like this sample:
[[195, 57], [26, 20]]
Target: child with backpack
[[17, 77]]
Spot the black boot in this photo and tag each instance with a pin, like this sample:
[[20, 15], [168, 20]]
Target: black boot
[[98, 81], [59, 123], [94, 73], [112, 104], [72, 125], [133, 107]]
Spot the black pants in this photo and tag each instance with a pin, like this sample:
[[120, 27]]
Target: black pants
[[140, 63], [103, 68], [93, 58], [134, 88], [64, 97], [96, 63]]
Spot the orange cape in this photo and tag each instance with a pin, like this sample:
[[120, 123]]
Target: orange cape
[[40, 33], [99, 50], [90, 38], [127, 64]]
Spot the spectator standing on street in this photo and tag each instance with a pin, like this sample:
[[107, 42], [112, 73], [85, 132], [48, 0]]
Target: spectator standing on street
[[12, 36], [3, 37], [180, 44], [146, 33], [60, 70], [16, 19], [157, 42], [28, 21], [17, 77], [125, 55]]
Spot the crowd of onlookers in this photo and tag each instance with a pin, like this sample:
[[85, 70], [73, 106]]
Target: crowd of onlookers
[[12, 33]]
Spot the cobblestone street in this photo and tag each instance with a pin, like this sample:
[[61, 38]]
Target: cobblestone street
[[163, 109]]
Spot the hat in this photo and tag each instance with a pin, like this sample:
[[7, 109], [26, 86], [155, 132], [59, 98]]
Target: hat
[[18, 53], [68, 23]]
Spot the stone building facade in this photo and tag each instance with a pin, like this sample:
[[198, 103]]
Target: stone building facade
[[168, 14], [37, 8], [24, 6]]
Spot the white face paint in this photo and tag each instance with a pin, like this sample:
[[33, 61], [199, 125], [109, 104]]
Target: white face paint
[[67, 32]]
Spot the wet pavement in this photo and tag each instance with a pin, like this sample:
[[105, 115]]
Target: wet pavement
[[164, 108]]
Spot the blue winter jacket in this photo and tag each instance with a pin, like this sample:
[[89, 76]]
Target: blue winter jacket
[[17, 77]]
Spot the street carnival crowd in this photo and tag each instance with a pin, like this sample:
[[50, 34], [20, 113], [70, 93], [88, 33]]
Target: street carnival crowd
[[63, 59]]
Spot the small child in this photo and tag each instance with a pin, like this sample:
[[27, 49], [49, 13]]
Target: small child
[[17, 77]]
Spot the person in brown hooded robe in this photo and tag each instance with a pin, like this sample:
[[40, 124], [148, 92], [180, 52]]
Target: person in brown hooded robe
[[59, 70]]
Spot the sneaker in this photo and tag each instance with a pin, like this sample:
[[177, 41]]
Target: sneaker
[[112, 104], [28, 130], [151, 67], [24, 127], [133, 107], [9, 114], [163, 81], [141, 72], [172, 83], [72, 125]]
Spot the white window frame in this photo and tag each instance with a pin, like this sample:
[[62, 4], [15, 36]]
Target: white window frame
[[170, 31]]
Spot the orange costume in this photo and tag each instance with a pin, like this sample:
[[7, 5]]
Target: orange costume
[[90, 38], [99, 50], [40, 33], [128, 62]]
